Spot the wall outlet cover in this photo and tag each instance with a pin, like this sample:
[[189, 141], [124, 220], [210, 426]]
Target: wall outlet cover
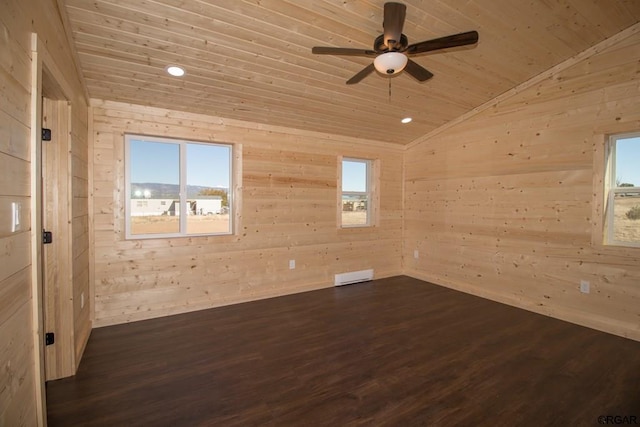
[[585, 286]]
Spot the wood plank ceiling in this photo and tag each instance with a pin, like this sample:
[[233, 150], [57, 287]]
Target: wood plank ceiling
[[251, 60]]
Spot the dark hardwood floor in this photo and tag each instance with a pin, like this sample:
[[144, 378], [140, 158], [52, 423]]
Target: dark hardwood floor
[[394, 352]]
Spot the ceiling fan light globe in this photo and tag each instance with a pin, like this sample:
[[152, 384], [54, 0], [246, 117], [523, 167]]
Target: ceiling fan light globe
[[390, 63]]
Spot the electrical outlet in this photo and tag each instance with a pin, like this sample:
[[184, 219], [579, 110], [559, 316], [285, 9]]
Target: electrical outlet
[[292, 264], [416, 254], [585, 286]]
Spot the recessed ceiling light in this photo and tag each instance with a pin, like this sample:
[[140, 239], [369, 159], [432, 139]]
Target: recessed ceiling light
[[175, 71], [406, 120]]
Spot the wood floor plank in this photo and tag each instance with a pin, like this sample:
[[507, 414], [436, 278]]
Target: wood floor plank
[[395, 351]]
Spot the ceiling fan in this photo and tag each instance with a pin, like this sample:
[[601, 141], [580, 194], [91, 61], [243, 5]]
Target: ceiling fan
[[392, 49]]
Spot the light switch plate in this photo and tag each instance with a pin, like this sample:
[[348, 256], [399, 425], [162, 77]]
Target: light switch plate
[[15, 216]]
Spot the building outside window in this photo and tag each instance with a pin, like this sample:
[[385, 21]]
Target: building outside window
[[622, 190], [177, 188], [356, 201]]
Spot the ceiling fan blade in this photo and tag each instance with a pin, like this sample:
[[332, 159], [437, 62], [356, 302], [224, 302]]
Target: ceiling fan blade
[[417, 71], [322, 50], [362, 74], [455, 40], [394, 15]]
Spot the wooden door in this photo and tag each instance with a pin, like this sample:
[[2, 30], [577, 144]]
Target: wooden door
[[56, 258]]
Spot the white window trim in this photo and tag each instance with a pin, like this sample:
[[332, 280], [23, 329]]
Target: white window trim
[[611, 190], [182, 143], [368, 192]]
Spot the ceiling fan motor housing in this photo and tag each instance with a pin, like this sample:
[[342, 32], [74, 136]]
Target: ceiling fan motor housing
[[380, 47]]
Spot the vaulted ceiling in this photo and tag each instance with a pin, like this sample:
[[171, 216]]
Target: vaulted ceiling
[[252, 60]]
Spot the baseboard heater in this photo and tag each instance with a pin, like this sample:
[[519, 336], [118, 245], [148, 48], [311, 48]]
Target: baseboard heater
[[353, 277]]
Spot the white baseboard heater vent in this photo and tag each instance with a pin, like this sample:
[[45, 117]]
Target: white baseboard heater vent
[[353, 277]]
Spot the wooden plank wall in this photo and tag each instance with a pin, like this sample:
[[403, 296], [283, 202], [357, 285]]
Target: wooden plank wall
[[18, 19], [288, 211], [502, 205], [80, 251]]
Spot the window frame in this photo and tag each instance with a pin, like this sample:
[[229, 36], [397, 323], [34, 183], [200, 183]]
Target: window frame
[[183, 196], [370, 192], [611, 189]]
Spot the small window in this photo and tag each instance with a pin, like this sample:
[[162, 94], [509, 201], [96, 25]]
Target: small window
[[622, 224], [356, 193], [177, 188]]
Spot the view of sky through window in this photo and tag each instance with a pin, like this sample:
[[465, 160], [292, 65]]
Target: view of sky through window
[[628, 161], [156, 162], [354, 176]]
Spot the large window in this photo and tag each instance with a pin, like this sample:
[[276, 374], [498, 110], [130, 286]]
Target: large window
[[356, 198], [177, 188], [622, 224]]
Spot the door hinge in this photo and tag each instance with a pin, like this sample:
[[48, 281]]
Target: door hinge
[[47, 237], [46, 134], [49, 338]]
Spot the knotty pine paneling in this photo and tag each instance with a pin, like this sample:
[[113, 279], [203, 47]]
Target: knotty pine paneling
[[288, 211], [16, 353], [16, 341], [20, 381], [500, 205], [252, 61], [79, 194]]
